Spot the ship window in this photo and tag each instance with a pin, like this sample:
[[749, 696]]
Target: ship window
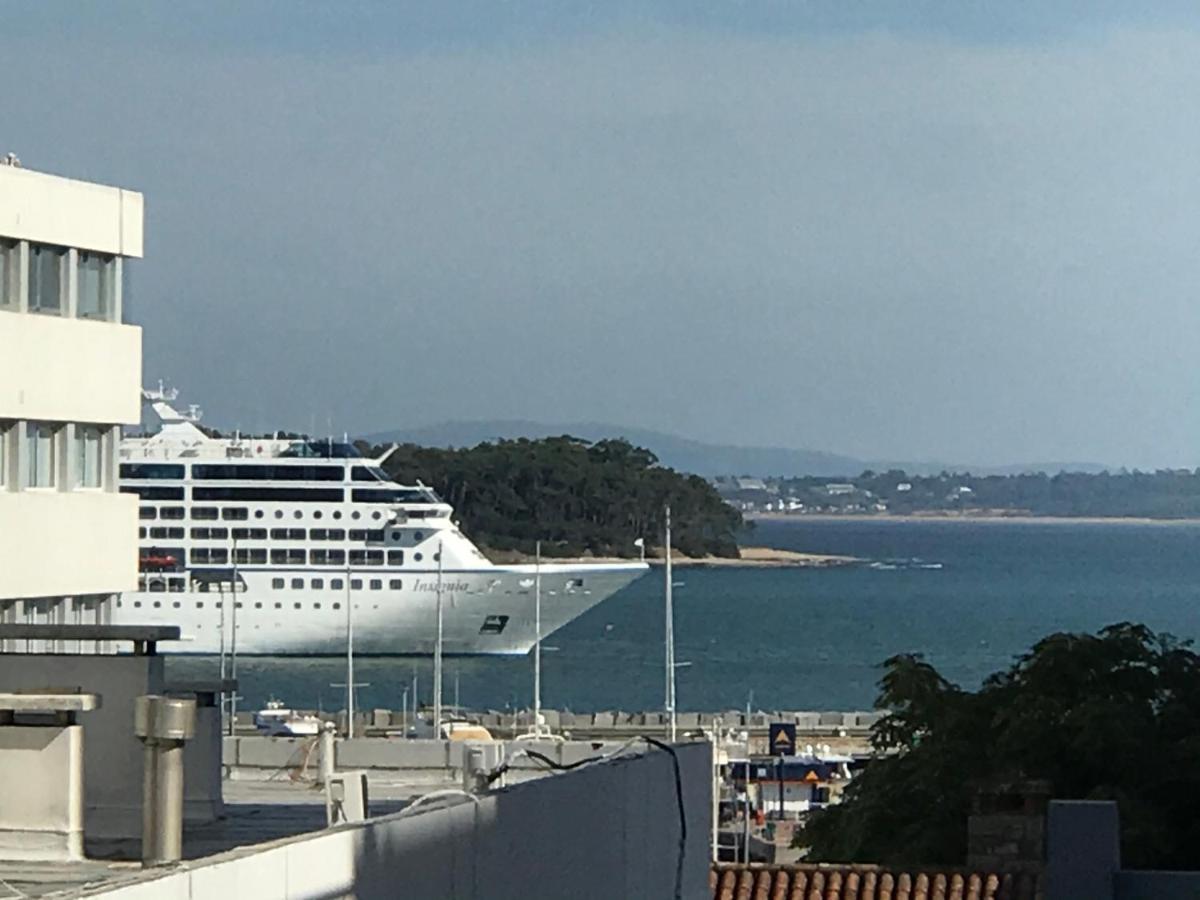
[[337, 514], [395, 557], [278, 605], [218, 534], [238, 605], [147, 492], [376, 584], [270, 494], [318, 584], [337, 534], [260, 472], [279, 534], [258, 514], [204, 513], [200, 603], [151, 470], [229, 513], [296, 606], [279, 513], [258, 606], [277, 584], [158, 603], [418, 557], [199, 534], [318, 534], [255, 556], [177, 604], [316, 606], [317, 514], [437, 557], [46, 278], [295, 534], [297, 584], [171, 512], [337, 584], [418, 535], [395, 585], [397, 537], [377, 515], [368, 473], [137, 604], [297, 514], [387, 495], [337, 606], [356, 584], [493, 625], [175, 586], [356, 515], [147, 512]]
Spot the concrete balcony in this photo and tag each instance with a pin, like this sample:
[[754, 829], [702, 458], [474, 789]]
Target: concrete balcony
[[69, 370], [55, 543]]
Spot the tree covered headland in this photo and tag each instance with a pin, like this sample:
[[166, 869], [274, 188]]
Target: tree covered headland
[[1107, 716], [575, 496]]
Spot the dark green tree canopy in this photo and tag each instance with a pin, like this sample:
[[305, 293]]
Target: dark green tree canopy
[[575, 496], [1113, 715]]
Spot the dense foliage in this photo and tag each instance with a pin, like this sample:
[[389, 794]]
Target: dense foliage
[[575, 496], [1115, 715], [1168, 493]]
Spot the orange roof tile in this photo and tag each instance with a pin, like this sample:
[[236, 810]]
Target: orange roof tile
[[865, 882]]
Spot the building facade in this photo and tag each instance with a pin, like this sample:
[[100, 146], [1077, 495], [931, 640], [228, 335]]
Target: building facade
[[70, 377]]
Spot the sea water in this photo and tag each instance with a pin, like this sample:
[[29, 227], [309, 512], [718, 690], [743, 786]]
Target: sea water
[[968, 595]]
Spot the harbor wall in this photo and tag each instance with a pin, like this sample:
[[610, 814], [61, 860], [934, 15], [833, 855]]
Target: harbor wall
[[607, 830]]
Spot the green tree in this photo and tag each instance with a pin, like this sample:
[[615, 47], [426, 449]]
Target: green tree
[[1113, 715]]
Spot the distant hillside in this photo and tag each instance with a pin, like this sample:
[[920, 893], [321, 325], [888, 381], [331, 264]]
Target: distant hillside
[[708, 460], [679, 453]]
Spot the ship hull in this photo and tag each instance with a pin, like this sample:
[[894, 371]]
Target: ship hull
[[485, 611]]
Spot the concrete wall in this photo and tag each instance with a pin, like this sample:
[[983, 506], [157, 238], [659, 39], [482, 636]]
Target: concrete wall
[[59, 369], [597, 833], [112, 755], [66, 543], [50, 209], [41, 783]]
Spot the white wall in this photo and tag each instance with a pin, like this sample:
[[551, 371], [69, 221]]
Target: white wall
[[50, 209], [602, 832], [69, 370], [66, 543]]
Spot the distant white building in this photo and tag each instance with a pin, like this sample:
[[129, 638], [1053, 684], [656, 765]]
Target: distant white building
[[70, 376], [837, 489]]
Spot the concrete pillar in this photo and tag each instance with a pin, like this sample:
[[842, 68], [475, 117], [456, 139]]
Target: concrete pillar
[[163, 724]]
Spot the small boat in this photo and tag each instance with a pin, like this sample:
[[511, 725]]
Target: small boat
[[276, 720]]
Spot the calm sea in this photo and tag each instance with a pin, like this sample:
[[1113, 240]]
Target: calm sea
[[968, 595]]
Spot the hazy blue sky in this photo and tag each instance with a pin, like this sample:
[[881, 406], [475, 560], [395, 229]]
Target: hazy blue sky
[[959, 230]]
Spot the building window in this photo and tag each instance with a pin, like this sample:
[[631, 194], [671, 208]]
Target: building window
[[45, 278], [39, 439], [10, 261], [4, 454], [96, 282], [89, 445]]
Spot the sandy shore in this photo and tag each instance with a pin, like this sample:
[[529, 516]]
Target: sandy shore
[[984, 518]]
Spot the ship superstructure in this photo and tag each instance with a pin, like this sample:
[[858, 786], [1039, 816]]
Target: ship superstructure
[[264, 542]]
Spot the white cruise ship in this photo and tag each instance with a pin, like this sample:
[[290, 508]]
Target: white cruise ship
[[279, 535]]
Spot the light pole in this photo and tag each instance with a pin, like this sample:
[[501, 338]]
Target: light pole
[[437, 654], [349, 657], [670, 634], [537, 641]]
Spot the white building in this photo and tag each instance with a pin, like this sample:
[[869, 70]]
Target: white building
[[70, 376]]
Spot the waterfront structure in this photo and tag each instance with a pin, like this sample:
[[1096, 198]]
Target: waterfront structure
[[262, 543], [70, 371]]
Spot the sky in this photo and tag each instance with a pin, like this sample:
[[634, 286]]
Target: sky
[[955, 231]]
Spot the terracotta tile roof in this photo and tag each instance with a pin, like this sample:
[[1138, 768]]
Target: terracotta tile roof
[[862, 882]]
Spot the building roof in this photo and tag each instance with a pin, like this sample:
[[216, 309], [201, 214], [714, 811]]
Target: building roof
[[865, 882]]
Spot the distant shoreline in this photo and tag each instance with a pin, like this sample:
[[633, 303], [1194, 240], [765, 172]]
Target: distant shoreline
[[985, 518], [751, 558]]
